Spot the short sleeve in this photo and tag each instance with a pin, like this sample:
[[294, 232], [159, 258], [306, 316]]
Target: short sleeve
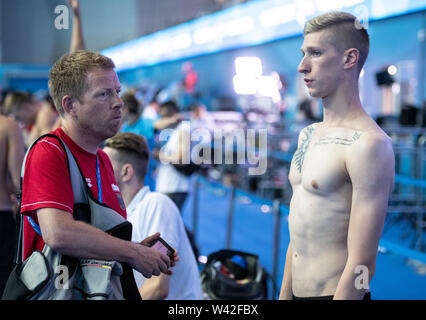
[[46, 182]]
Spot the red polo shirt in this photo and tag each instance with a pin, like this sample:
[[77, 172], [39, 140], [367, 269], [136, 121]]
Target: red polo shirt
[[47, 183]]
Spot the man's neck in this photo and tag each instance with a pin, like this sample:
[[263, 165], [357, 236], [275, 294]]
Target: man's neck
[[129, 191], [342, 107], [85, 141]]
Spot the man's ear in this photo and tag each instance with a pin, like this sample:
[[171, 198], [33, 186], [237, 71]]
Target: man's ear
[[127, 172], [351, 57], [68, 104]]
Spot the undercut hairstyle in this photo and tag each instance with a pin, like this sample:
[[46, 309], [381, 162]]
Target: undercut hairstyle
[[345, 32], [68, 76], [131, 148]]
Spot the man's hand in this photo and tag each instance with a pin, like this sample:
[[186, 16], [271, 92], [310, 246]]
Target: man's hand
[[151, 262], [75, 6], [151, 239]]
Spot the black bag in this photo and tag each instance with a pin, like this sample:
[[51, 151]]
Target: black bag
[[190, 168], [234, 275], [187, 169], [36, 277]]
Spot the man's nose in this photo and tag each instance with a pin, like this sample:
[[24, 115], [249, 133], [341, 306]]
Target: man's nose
[[118, 103], [303, 66]]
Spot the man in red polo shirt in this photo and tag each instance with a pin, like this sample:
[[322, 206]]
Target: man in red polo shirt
[[85, 89]]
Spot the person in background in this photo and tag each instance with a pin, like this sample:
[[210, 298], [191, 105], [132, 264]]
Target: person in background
[[134, 122], [169, 180], [150, 212], [77, 38], [21, 107], [47, 119], [11, 156]]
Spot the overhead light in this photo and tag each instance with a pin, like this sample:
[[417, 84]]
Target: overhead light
[[248, 66], [244, 85], [392, 70]]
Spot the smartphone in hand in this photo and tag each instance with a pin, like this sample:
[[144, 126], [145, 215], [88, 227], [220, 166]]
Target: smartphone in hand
[[163, 247]]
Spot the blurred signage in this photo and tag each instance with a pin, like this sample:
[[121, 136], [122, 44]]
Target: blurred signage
[[248, 24]]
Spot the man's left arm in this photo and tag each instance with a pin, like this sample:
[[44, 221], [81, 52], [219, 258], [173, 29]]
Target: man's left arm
[[371, 167]]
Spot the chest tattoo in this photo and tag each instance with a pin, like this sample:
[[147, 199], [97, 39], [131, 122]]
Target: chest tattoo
[[339, 141], [299, 156]]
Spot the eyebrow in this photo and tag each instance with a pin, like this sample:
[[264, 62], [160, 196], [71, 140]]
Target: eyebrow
[[311, 48]]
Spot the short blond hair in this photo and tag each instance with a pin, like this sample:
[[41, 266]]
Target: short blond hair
[[346, 32], [68, 76]]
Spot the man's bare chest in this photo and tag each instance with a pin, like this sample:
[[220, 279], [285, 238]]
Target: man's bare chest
[[318, 164]]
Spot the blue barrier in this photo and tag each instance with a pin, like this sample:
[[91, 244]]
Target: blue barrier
[[403, 251], [410, 181], [395, 248]]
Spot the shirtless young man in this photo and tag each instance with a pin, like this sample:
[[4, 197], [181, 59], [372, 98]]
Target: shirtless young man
[[341, 174]]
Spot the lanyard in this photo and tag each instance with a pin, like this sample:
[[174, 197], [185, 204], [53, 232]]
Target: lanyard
[[98, 177]]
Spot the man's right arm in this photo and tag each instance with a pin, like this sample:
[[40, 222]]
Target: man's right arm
[[16, 153], [156, 288], [77, 39], [78, 239]]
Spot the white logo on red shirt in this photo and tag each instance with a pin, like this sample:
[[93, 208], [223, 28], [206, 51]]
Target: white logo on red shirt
[[115, 188], [89, 182]]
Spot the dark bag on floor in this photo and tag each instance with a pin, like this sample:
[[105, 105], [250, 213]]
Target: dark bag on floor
[[233, 275]]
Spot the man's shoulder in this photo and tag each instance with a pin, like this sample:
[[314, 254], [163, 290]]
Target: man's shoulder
[[306, 132], [154, 196], [372, 147], [309, 128], [371, 140], [49, 142], [158, 200], [8, 126]]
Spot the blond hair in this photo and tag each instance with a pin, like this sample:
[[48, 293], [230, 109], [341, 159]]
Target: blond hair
[[131, 148], [68, 76], [345, 32]]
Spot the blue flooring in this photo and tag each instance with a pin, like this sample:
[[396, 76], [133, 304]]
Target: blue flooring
[[395, 278]]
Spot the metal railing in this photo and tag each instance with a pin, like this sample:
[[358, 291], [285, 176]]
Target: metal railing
[[407, 197]]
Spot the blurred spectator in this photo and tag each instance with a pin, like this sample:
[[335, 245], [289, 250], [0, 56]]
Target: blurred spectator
[[305, 112], [200, 118], [11, 157], [47, 120], [169, 180], [151, 110], [21, 107], [134, 122]]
